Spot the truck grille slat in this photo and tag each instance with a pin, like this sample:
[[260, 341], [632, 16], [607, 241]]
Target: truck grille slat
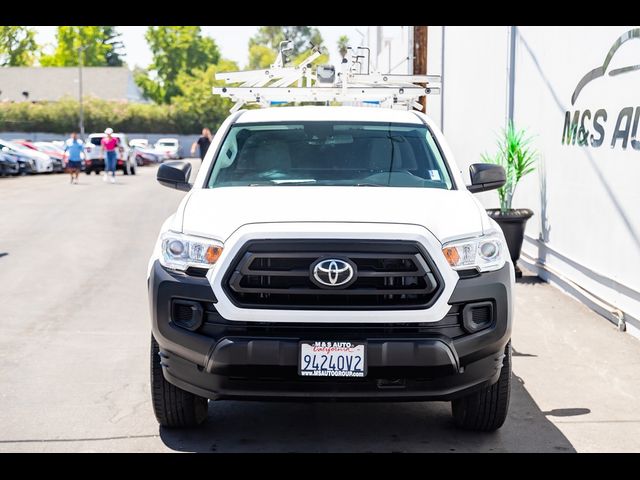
[[277, 274]]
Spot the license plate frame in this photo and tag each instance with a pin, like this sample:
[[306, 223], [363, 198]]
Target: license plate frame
[[332, 349]]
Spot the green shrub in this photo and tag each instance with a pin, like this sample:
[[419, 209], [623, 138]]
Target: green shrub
[[62, 116]]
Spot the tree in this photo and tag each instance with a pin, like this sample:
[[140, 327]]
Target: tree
[[17, 46], [102, 47], [196, 105], [261, 56], [112, 38], [176, 50], [343, 45], [268, 39]]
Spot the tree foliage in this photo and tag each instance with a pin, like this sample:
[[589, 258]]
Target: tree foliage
[[18, 46], [264, 45], [102, 47], [261, 56], [113, 55], [176, 50], [196, 105]]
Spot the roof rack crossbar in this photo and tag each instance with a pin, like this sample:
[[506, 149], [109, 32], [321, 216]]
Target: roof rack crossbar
[[301, 83]]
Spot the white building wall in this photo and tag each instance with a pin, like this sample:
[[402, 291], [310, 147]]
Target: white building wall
[[390, 48], [585, 234]]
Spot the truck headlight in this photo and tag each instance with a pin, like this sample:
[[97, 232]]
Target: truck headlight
[[179, 251], [485, 253]]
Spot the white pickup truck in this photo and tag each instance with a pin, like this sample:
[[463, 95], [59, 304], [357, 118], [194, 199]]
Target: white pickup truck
[[330, 252]]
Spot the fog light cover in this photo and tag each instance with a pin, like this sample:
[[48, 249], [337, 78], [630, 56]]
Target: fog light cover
[[477, 316]]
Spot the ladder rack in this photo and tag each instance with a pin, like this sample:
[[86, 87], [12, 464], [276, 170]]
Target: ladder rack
[[302, 83]]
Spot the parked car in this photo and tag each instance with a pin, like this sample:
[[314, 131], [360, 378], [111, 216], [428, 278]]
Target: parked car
[[26, 165], [147, 156], [57, 157], [41, 162], [169, 146], [94, 161], [9, 164], [139, 142], [330, 252]]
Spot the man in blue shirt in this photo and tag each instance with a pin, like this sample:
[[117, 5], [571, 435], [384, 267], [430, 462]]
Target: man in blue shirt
[[75, 149]]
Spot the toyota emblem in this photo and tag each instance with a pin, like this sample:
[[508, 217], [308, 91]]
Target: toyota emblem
[[333, 272]]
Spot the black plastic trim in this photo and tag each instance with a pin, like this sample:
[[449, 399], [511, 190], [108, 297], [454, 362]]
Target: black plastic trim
[[187, 355], [344, 248]]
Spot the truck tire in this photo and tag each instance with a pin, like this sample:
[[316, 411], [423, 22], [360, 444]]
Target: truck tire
[[173, 407], [486, 410]]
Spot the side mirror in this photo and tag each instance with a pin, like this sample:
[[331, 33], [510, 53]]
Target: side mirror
[[175, 175], [485, 176]]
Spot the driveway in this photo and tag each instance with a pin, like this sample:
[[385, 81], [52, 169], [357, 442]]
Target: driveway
[[75, 338]]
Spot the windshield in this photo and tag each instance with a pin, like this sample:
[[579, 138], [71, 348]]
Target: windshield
[[166, 144], [330, 154]]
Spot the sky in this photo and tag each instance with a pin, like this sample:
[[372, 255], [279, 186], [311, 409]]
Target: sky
[[232, 40]]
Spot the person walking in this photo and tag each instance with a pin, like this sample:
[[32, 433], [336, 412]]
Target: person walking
[[74, 148], [203, 143], [110, 147]]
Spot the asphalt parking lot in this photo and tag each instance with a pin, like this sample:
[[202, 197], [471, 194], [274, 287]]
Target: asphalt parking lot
[[74, 350]]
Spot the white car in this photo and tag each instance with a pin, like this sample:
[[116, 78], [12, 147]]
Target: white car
[[139, 142], [41, 162], [170, 147], [330, 252], [94, 160]]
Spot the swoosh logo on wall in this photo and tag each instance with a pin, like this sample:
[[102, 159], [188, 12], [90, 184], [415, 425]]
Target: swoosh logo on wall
[[600, 71]]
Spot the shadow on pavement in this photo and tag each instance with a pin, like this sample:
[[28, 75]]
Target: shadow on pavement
[[529, 280], [366, 427]]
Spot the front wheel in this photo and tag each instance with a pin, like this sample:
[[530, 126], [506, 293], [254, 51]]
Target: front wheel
[[486, 410], [173, 406]]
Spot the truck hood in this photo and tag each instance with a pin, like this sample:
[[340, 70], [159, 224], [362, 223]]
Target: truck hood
[[218, 212]]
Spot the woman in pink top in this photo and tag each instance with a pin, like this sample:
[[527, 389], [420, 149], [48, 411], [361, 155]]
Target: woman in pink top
[[109, 145]]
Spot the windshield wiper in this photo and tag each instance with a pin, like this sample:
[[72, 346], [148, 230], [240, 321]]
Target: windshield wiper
[[369, 185], [282, 182], [301, 181]]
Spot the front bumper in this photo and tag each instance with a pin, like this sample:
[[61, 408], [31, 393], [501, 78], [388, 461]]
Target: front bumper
[[235, 359], [9, 168]]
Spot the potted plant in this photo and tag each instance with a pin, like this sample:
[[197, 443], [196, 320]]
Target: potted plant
[[518, 159]]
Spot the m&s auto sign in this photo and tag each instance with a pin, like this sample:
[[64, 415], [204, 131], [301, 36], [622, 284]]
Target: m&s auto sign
[[594, 127]]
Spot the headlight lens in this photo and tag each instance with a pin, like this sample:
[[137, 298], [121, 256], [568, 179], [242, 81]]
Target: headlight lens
[[179, 252], [485, 253]]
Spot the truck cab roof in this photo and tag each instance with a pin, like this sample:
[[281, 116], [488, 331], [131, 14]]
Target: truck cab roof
[[323, 113]]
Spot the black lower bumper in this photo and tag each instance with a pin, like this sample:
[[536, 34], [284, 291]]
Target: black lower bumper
[[428, 361]]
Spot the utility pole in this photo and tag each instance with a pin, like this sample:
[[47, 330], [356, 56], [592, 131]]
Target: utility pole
[[81, 125], [420, 56]]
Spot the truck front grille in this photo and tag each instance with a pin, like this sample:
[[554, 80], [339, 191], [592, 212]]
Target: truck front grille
[[277, 274]]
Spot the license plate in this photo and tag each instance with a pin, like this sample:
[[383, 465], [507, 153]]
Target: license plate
[[333, 359]]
